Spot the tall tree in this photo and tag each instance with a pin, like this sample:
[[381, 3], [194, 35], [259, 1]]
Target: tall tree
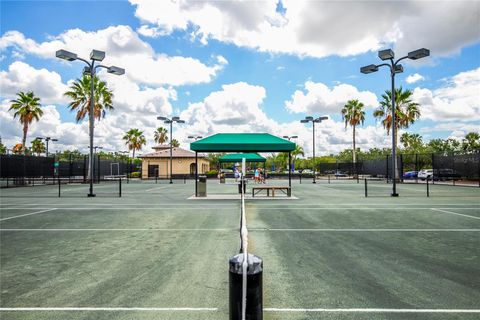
[[79, 94], [160, 135], [353, 115], [412, 142], [3, 148], [134, 139], [406, 111], [297, 152], [471, 142], [27, 108], [175, 143], [38, 146]]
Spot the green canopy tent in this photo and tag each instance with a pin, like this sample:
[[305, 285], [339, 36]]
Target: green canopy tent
[[237, 157], [242, 142]]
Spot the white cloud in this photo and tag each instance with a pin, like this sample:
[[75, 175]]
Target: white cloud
[[459, 99], [414, 78], [123, 48], [319, 28], [47, 85], [318, 98]]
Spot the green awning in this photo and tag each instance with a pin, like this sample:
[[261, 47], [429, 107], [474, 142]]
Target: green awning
[[237, 157], [242, 142]]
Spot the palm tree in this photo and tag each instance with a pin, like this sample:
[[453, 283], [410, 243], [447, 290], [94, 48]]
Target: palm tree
[[411, 142], [134, 139], [406, 111], [80, 95], [27, 108], [160, 135], [175, 143], [471, 142], [295, 153], [353, 115], [38, 146]]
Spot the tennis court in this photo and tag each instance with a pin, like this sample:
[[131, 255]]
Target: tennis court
[[153, 254]]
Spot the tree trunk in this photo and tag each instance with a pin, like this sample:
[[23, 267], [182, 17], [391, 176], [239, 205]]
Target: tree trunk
[[133, 156], [24, 139], [354, 150]]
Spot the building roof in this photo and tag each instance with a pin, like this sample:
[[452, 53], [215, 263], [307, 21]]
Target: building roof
[[242, 142], [237, 157], [161, 147], [176, 153]]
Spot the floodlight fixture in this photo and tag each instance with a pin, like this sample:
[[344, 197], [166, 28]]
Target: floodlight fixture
[[161, 118], [304, 121], [418, 54], [97, 55], [369, 69], [175, 118], [386, 54], [66, 55], [398, 68], [87, 71], [322, 118], [180, 121], [309, 118], [116, 70], [294, 137], [167, 121]]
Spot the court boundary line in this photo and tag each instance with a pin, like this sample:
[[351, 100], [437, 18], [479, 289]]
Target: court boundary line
[[253, 229], [107, 309], [28, 214], [371, 310], [455, 213], [233, 208]]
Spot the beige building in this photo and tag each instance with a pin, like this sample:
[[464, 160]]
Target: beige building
[[183, 162]]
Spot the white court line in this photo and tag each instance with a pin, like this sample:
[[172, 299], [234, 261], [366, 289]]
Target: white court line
[[108, 309], [458, 214], [141, 191], [27, 214], [234, 229], [121, 208], [257, 205], [372, 310], [118, 229], [365, 230]]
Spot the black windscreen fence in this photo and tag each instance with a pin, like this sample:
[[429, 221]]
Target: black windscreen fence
[[20, 166]]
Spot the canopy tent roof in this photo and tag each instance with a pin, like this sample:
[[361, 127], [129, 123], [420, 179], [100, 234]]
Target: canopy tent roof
[[242, 142], [237, 157]]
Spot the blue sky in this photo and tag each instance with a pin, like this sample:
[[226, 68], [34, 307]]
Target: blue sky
[[242, 66]]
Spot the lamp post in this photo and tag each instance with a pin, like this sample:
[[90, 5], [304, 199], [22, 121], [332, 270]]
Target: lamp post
[[171, 121], [47, 139], [395, 68], [195, 137], [313, 121], [90, 69], [97, 147]]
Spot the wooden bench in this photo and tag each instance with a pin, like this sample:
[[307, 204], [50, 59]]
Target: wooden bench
[[285, 189]]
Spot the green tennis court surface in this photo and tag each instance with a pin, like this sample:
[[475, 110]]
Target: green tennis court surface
[[152, 254]]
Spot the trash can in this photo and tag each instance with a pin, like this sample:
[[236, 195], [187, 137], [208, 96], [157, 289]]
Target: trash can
[[202, 186], [254, 309], [240, 182]]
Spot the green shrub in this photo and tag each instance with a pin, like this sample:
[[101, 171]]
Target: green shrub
[[212, 172], [135, 174]]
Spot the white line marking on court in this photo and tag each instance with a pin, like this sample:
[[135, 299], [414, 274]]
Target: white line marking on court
[[122, 208], [365, 230], [372, 310], [108, 309], [118, 229], [151, 189], [28, 214], [455, 213], [234, 229]]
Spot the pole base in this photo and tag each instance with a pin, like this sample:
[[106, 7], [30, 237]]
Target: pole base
[[171, 182], [91, 195], [394, 194], [314, 181]]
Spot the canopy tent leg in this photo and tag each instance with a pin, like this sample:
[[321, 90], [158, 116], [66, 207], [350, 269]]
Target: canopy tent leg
[[290, 169], [196, 173]]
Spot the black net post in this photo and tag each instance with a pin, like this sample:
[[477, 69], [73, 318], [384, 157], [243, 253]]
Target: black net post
[[453, 170], [254, 303], [386, 173], [70, 168], [401, 167], [328, 178], [84, 169], [120, 187], [366, 192], [59, 187], [300, 178], [98, 168], [356, 172], [416, 167], [428, 189], [433, 167]]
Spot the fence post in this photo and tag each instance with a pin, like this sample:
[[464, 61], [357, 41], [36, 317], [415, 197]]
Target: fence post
[[184, 179], [156, 178], [120, 187], [59, 186], [453, 169], [416, 167], [366, 192], [84, 169], [433, 168], [356, 172], [98, 169], [386, 175], [428, 189], [401, 166], [328, 178], [300, 178]]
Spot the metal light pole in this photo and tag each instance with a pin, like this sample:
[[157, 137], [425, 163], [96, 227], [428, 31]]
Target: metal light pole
[[171, 121], [395, 68], [313, 121], [47, 139], [91, 68]]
